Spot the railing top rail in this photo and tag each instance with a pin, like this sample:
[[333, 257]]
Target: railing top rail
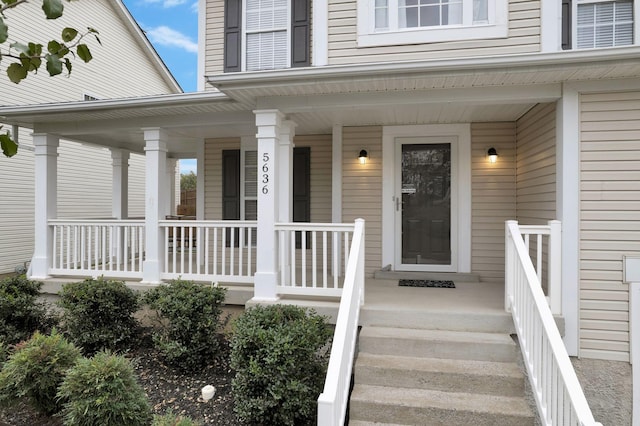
[[535, 229], [204, 223], [95, 222], [306, 226], [565, 367]]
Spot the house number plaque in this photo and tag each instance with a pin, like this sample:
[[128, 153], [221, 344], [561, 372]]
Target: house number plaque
[[265, 172]]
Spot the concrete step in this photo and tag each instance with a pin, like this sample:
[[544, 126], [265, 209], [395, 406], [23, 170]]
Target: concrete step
[[438, 344], [453, 375], [383, 404], [439, 276], [499, 322]]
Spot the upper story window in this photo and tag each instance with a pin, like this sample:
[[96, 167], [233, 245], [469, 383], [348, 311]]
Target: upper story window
[[388, 22], [597, 23], [266, 34]]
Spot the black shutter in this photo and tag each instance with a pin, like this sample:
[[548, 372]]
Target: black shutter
[[566, 25], [231, 189], [232, 35], [300, 33], [302, 189]]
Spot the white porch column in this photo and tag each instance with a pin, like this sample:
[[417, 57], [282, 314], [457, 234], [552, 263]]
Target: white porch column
[[269, 124], [120, 188], [155, 203], [172, 169], [285, 186], [568, 210], [46, 203], [200, 182]]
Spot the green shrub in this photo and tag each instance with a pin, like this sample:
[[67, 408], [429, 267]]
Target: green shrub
[[34, 371], [98, 314], [190, 317], [280, 355], [170, 419], [103, 391], [20, 312]]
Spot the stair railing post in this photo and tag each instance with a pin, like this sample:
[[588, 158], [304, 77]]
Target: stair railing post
[[555, 267], [508, 264]]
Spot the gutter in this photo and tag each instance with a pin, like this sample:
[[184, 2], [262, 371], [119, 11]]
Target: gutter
[[253, 79]]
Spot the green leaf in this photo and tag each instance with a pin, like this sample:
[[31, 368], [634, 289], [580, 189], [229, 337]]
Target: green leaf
[[84, 53], [69, 34], [17, 72], [22, 48], [35, 49], [67, 64], [52, 8], [4, 31], [9, 147], [53, 47], [54, 65]]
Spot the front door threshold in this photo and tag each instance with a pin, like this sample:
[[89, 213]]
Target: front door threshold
[[413, 275]]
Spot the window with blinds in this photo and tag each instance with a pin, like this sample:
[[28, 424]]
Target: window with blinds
[[604, 23], [250, 185], [267, 41]]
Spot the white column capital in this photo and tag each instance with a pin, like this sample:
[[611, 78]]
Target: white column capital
[[155, 134], [119, 157], [46, 144], [287, 132]]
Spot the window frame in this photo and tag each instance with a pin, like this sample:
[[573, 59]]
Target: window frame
[[574, 23], [243, 48], [368, 36]]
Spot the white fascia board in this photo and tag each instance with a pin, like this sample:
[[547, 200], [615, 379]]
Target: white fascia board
[[246, 80], [122, 10], [6, 113]]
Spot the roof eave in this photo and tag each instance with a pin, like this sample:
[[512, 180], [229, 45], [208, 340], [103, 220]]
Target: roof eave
[[253, 79]]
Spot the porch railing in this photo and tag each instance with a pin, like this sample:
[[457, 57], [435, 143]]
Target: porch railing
[[559, 397], [97, 247], [222, 250], [332, 403], [312, 256]]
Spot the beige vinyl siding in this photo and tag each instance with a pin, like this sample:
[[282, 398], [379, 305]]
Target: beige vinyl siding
[[362, 188], [84, 172], [523, 37], [610, 222], [536, 165], [214, 39], [493, 196], [320, 179]]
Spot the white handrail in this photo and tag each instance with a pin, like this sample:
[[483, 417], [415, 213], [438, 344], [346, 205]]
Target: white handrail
[[92, 247], [332, 402], [311, 257], [209, 250], [558, 394]]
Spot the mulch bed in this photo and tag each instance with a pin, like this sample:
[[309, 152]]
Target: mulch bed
[[167, 389]]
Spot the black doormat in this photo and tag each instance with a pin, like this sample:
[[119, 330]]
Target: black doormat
[[427, 283]]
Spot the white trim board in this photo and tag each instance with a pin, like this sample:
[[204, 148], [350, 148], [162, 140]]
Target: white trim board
[[462, 134]]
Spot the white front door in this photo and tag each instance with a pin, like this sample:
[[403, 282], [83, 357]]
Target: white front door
[[427, 225]]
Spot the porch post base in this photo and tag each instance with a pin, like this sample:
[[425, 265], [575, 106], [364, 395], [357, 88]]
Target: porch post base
[[151, 272], [264, 287], [39, 268]]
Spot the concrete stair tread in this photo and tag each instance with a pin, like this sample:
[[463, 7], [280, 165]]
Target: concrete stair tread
[[440, 365], [438, 335], [456, 401]]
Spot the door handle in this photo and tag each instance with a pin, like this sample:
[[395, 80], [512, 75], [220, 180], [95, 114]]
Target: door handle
[[397, 204]]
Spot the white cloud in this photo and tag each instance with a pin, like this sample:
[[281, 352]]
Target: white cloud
[[194, 7], [166, 36], [167, 3]]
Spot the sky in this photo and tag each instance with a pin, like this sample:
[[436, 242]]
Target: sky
[[172, 28]]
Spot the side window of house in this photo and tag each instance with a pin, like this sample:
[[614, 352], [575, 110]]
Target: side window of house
[[276, 34], [233, 179], [596, 23], [388, 22]]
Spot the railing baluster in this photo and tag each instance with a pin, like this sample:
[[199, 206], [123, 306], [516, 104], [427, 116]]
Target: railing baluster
[[292, 238], [325, 269], [314, 266], [303, 258]]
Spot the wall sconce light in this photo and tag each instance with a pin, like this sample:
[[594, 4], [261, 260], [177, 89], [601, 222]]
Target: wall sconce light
[[492, 154], [363, 156]]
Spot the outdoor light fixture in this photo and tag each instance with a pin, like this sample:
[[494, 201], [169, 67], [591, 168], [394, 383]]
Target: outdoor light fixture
[[363, 156], [492, 154]]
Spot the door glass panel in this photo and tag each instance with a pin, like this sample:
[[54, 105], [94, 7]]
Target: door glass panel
[[426, 204]]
